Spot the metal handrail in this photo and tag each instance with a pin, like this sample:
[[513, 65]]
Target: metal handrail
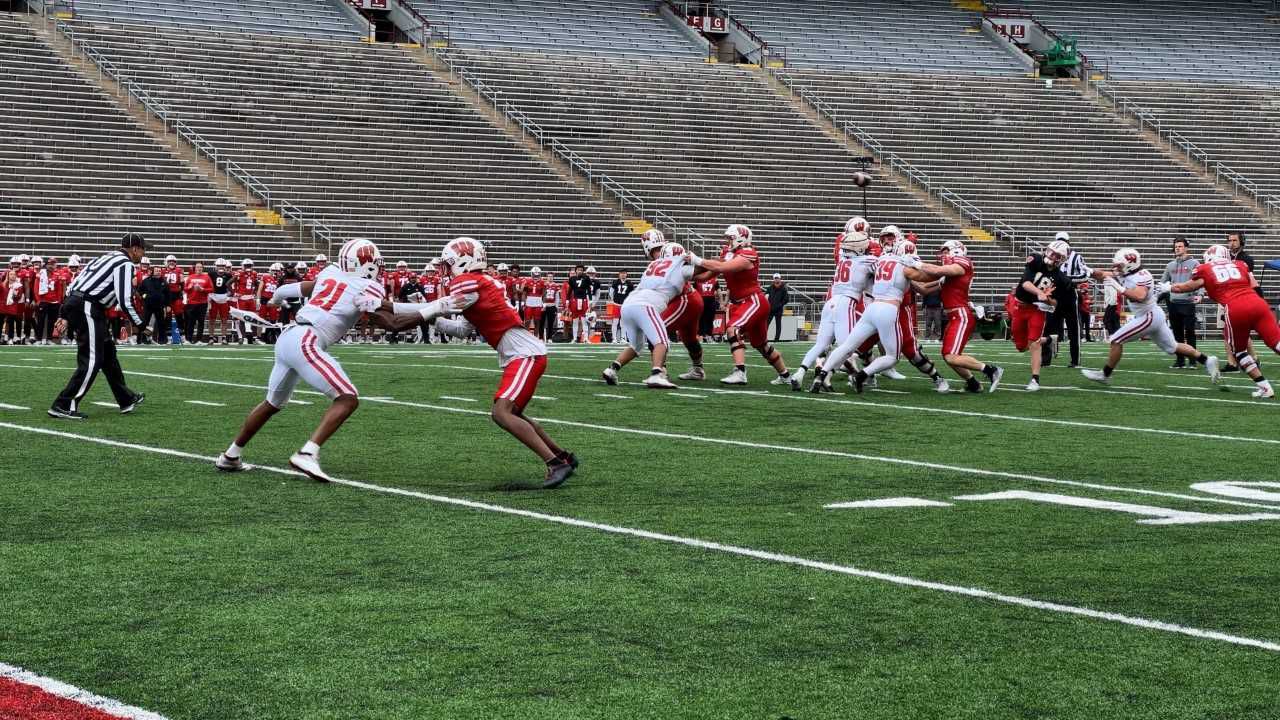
[[168, 119], [594, 177], [425, 27]]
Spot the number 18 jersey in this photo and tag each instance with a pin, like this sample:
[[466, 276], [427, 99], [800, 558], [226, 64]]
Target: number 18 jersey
[[337, 301]]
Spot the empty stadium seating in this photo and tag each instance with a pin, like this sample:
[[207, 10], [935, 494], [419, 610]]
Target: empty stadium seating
[[1237, 124], [1045, 160], [297, 18], [930, 36], [615, 27], [368, 140], [714, 145], [1228, 40], [76, 172]]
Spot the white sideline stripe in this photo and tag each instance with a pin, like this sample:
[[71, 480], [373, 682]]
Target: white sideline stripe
[[753, 445], [76, 695], [615, 397], [442, 397], [205, 403], [765, 555], [6, 406]]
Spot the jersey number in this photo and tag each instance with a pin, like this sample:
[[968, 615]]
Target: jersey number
[[659, 267], [843, 271], [884, 271], [330, 292], [1227, 272]]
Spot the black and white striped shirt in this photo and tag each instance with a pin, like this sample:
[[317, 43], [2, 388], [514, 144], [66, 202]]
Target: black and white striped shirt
[[1075, 269], [108, 281]]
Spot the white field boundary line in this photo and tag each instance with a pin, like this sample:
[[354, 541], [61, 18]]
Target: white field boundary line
[[764, 446], [75, 694], [900, 580]]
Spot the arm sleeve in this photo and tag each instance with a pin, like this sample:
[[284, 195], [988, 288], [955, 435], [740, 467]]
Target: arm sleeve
[[292, 291], [1028, 273], [1165, 276], [124, 292], [454, 328]]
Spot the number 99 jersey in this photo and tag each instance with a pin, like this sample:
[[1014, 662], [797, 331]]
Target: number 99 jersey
[[337, 301]]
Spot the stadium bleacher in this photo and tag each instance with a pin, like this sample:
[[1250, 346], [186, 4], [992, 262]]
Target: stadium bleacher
[[1043, 159], [713, 145], [368, 140], [876, 35], [77, 172], [615, 27], [296, 18], [1227, 40]]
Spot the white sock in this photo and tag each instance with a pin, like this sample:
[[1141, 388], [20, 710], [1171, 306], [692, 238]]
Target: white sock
[[234, 451], [310, 448]]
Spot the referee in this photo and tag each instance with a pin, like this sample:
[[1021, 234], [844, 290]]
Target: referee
[[105, 282]]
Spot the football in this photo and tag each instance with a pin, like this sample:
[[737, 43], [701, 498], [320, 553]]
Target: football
[[861, 179]]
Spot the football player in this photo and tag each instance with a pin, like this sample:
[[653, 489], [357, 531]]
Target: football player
[[338, 297], [1032, 301], [739, 264], [956, 271], [669, 271], [1134, 283], [854, 269], [534, 290], [683, 316], [1230, 284], [245, 288], [482, 302], [220, 301]]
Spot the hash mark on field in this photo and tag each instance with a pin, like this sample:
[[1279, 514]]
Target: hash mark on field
[[99, 403], [1190, 387], [736, 550], [206, 403], [459, 399], [615, 397], [299, 402], [689, 395], [891, 392], [6, 406], [544, 397]]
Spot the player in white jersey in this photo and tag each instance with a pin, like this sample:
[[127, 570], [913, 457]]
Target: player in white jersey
[[670, 268], [1133, 282], [895, 271], [854, 270], [339, 296]]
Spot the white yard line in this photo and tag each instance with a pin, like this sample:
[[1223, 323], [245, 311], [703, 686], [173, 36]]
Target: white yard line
[[75, 694], [6, 406], [205, 403], [615, 397], [764, 555], [99, 403], [442, 397]]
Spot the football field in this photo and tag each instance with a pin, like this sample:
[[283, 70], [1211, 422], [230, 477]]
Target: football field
[[1083, 552]]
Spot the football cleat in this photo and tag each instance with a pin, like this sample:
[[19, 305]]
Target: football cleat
[[133, 404], [893, 374], [780, 381], [660, 381], [941, 385], [996, 377], [695, 373], [610, 376], [308, 465], [1033, 386], [737, 377], [860, 382], [1264, 391], [557, 473], [1096, 376], [797, 379], [1215, 372], [57, 412], [228, 464]]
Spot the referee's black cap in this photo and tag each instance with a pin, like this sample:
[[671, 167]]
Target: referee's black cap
[[132, 240]]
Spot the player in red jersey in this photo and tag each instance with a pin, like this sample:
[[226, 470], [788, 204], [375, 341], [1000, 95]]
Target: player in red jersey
[[956, 270], [551, 304], [267, 284], [482, 302], [533, 291], [245, 290], [321, 263], [173, 277], [739, 264], [684, 316], [1230, 284], [28, 276], [197, 288]]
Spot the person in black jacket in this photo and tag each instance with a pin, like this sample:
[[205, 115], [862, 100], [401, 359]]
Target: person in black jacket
[[292, 274], [1236, 242], [779, 295], [155, 298]]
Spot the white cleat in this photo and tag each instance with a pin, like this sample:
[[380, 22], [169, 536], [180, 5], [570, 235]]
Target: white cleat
[[1033, 386], [781, 381], [797, 379], [942, 386], [228, 464], [308, 465], [695, 373], [737, 377], [995, 379], [610, 376], [1096, 376], [1212, 367], [893, 374], [1264, 391], [660, 381]]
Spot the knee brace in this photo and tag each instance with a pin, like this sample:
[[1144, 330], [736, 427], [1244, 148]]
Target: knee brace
[[695, 351], [1245, 361], [923, 363]]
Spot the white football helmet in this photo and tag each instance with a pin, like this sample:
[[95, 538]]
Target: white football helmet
[[1127, 260], [300, 265], [535, 271], [502, 267], [1057, 251], [672, 250], [894, 236], [464, 255], [738, 236], [144, 261], [170, 259], [402, 265], [652, 240], [1217, 252], [904, 248], [246, 263], [36, 259], [361, 258], [276, 267], [321, 258], [955, 248], [858, 226], [1064, 236], [591, 270]]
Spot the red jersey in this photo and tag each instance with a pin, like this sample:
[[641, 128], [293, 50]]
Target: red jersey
[[245, 284], [139, 275], [511, 283], [269, 284], [550, 293], [1226, 281], [173, 279], [708, 288], [312, 272], [746, 283], [197, 288], [534, 287], [54, 287], [490, 314], [430, 283], [955, 290]]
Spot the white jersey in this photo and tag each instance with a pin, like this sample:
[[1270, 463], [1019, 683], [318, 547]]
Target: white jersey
[[853, 274], [663, 280], [891, 282], [336, 303], [1141, 278]]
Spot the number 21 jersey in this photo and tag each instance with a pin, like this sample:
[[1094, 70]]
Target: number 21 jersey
[[337, 301]]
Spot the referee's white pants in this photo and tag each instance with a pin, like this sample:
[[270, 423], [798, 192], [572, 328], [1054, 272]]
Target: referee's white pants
[[839, 315], [878, 319], [640, 323], [299, 355]]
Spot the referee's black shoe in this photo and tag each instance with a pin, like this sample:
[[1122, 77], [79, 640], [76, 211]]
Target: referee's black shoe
[[64, 414], [133, 404]]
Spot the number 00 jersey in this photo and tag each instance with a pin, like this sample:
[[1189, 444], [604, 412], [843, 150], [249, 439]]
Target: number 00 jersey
[[337, 302]]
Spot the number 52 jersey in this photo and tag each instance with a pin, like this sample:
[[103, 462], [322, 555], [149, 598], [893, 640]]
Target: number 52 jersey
[[337, 301]]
